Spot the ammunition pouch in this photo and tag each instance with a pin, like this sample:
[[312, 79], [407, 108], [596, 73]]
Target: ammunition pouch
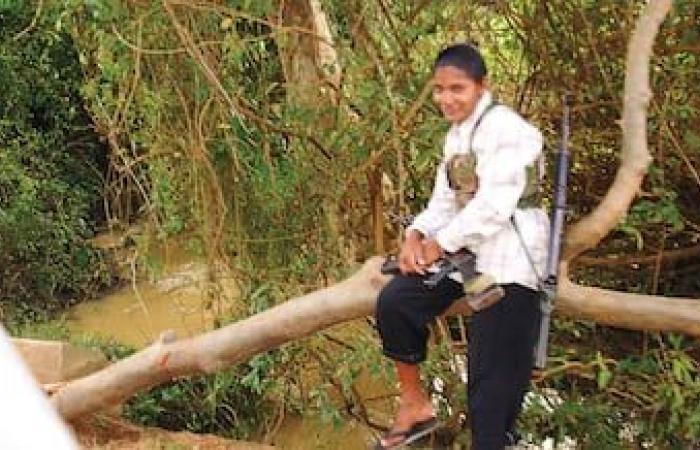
[[532, 195], [461, 177]]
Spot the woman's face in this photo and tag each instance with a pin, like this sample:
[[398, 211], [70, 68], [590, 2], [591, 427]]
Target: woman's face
[[455, 93]]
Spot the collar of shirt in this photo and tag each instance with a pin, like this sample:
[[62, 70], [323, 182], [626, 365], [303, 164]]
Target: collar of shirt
[[457, 139]]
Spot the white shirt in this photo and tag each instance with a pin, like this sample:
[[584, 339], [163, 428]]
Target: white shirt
[[504, 145]]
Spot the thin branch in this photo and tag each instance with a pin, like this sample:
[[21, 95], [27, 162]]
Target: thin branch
[[417, 10], [31, 26], [668, 256], [234, 13], [151, 51], [657, 264], [248, 112], [120, 116], [679, 149], [197, 55], [218, 231], [594, 49], [394, 31]]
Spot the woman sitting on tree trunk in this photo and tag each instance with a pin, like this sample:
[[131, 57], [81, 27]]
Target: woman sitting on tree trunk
[[480, 193]]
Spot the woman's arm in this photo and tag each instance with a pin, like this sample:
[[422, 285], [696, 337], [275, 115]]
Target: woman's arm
[[441, 207]]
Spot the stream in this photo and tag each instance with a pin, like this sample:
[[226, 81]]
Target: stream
[[138, 318]]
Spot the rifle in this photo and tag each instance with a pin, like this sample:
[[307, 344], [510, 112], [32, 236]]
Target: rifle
[[550, 282], [462, 261]]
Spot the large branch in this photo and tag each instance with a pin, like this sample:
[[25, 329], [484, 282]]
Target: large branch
[[632, 311], [167, 359], [635, 158]]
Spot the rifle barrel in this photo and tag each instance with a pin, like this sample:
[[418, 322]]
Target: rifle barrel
[[559, 209], [555, 237]]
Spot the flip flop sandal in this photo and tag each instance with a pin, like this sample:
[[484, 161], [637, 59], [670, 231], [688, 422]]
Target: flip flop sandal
[[417, 431]]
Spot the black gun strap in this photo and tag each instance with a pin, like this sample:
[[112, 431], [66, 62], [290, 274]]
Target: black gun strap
[[530, 259]]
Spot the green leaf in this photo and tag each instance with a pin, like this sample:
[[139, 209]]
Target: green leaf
[[603, 377]]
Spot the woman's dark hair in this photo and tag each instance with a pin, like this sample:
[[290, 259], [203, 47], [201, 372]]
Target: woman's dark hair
[[465, 57]]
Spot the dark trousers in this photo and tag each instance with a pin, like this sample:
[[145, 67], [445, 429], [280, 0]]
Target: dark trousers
[[500, 348]]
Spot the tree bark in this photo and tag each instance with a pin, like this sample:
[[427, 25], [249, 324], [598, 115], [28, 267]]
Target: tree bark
[[625, 310], [309, 60], [635, 158]]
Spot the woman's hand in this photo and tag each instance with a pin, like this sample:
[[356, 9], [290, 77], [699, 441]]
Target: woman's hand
[[431, 252], [411, 257]]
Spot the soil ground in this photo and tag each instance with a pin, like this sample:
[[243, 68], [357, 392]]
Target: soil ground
[[104, 432]]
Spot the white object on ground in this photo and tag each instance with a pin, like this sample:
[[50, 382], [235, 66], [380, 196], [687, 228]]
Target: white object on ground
[[27, 419]]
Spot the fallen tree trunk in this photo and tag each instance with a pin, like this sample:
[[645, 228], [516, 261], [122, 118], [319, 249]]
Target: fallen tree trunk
[[167, 359], [350, 299]]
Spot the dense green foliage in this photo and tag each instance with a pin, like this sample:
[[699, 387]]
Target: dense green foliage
[[49, 171], [213, 137], [233, 402], [244, 401]]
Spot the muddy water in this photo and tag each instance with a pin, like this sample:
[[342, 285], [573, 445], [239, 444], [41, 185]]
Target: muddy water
[[138, 312], [175, 299], [138, 316], [305, 434]]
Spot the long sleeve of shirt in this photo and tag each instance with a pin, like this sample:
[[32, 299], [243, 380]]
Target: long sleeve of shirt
[[505, 144], [441, 207]]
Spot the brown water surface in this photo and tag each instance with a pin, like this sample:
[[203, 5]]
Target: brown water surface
[[138, 316]]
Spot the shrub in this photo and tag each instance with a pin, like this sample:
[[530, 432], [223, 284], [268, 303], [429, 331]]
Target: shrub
[[50, 171]]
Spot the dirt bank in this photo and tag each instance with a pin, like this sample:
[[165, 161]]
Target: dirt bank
[[106, 432]]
